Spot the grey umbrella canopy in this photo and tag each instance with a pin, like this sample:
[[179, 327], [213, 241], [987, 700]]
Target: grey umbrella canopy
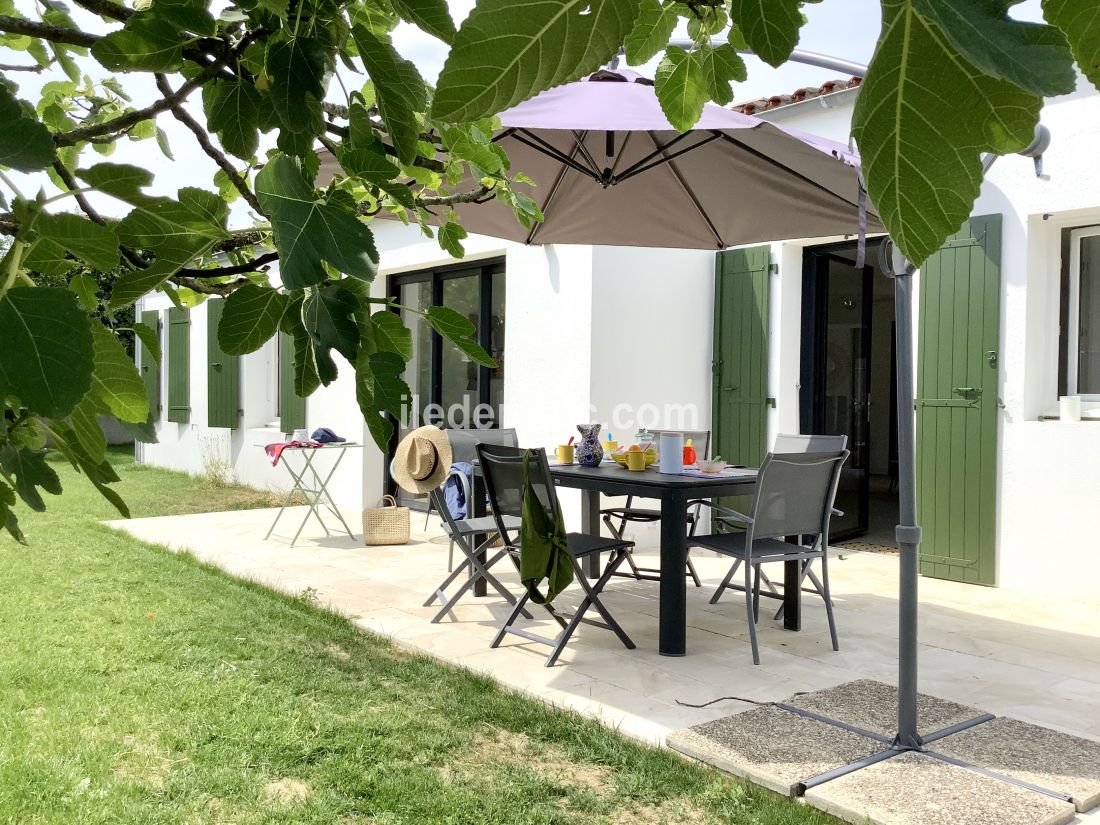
[[610, 170]]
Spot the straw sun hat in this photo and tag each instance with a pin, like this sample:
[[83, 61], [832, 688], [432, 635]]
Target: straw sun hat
[[422, 460]]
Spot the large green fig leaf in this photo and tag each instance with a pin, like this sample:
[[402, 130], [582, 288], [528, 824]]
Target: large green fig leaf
[[46, 357], [234, 111], [25, 142], [923, 119], [400, 90], [651, 33], [432, 16], [681, 87], [308, 230], [1079, 21], [1033, 56], [769, 27], [250, 317], [115, 379], [29, 470], [509, 50], [93, 243]]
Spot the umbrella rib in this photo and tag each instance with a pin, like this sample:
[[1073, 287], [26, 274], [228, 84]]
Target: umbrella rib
[[691, 195], [580, 138], [539, 145], [622, 153], [549, 200], [667, 159], [788, 170], [635, 168]]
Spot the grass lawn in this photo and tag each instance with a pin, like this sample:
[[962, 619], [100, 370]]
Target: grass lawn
[[138, 686]]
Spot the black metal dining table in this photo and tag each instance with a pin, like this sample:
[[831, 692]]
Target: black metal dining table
[[674, 493]]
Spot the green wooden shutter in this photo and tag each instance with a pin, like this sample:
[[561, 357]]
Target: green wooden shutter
[[223, 374], [150, 368], [292, 408], [179, 365], [956, 405], [739, 417]]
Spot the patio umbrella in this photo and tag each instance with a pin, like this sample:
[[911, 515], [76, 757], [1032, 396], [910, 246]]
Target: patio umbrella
[[611, 170]]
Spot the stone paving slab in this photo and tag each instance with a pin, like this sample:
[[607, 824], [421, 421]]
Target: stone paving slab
[[771, 746], [873, 706], [915, 789], [1038, 755]]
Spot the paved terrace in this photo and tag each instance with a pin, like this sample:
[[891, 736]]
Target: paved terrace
[[1006, 652]]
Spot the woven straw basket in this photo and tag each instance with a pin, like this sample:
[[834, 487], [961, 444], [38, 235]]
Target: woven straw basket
[[386, 524]]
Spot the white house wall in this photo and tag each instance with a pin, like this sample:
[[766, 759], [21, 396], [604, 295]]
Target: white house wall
[[197, 449], [589, 329], [1049, 471], [652, 336]]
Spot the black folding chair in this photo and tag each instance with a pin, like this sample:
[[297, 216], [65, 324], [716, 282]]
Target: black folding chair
[[504, 481], [464, 448], [794, 496], [616, 518], [462, 533]]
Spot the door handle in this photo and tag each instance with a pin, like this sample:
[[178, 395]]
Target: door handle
[[991, 357]]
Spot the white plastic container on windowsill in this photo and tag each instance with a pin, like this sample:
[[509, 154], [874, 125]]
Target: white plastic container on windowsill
[[1069, 408]]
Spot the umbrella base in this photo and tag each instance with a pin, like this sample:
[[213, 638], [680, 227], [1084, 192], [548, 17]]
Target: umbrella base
[[840, 739]]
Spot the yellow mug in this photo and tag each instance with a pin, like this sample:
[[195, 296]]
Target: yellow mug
[[635, 460], [610, 446], [565, 453]]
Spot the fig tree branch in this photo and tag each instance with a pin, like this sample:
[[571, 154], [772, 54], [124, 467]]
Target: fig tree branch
[[130, 119], [255, 265], [203, 139], [46, 31], [106, 8]]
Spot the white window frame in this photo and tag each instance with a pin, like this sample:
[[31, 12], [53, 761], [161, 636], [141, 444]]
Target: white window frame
[[1073, 333]]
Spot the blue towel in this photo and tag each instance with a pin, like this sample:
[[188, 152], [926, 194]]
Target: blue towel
[[454, 495]]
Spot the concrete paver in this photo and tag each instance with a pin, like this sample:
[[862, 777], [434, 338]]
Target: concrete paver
[[914, 789]]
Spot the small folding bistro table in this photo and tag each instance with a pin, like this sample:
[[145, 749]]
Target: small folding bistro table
[[312, 483]]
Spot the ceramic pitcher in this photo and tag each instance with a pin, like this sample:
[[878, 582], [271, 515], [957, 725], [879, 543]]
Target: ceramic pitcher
[[589, 451]]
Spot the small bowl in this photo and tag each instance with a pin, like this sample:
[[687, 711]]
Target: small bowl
[[712, 466]]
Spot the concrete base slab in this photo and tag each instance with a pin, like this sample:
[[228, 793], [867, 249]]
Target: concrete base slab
[[915, 788], [873, 706], [1034, 754], [771, 746]]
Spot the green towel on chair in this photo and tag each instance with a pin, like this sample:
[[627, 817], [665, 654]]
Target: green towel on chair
[[543, 545]]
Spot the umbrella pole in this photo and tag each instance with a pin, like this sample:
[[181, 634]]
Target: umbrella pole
[[908, 533]]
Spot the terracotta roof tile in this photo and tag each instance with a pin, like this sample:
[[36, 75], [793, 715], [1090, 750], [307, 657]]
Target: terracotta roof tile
[[763, 104]]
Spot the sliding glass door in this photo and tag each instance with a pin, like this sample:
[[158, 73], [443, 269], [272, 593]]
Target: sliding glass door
[[449, 389]]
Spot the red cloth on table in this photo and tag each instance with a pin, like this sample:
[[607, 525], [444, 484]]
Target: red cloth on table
[[275, 451]]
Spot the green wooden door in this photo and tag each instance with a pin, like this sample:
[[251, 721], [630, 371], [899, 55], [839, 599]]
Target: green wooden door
[[739, 396], [956, 405], [150, 368], [179, 365], [223, 374], [292, 408]]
